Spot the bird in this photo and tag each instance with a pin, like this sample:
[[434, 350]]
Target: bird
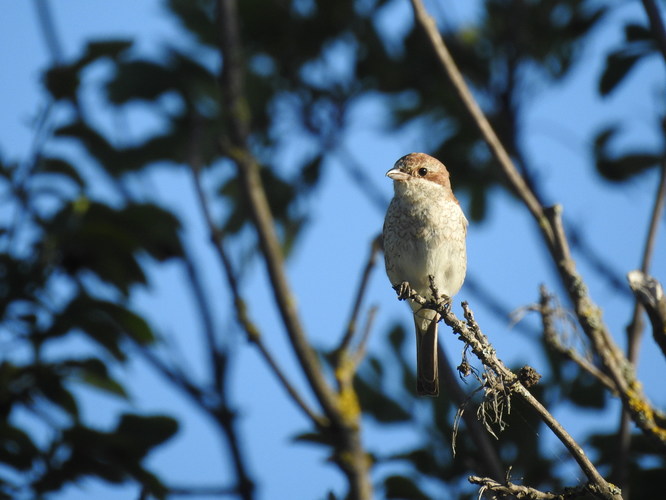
[[424, 235]]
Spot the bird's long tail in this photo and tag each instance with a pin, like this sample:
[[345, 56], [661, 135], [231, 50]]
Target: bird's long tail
[[427, 372]]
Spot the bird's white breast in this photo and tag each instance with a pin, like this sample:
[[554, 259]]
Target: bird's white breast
[[424, 234]]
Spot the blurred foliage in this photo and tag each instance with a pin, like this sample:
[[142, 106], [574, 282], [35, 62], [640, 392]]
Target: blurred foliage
[[71, 254]]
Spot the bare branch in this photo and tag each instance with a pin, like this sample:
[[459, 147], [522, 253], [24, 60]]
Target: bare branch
[[236, 146], [656, 25], [516, 181], [505, 382], [553, 339], [634, 329], [365, 335], [510, 489], [367, 271], [486, 452], [242, 316], [650, 294]]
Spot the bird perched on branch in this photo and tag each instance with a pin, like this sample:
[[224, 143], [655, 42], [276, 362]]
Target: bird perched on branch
[[424, 235]]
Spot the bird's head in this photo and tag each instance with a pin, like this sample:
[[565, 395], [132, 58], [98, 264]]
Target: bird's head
[[420, 166]]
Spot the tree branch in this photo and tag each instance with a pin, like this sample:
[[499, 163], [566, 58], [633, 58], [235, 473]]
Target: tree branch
[[510, 489], [516, 181], [236, 146], [341, 407], [650, 294], [634, 329], [553, 339], [216, 236], [656, 25], [348, 336], [505, 382]]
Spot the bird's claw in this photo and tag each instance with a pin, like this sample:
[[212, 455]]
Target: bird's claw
[[403, 290]]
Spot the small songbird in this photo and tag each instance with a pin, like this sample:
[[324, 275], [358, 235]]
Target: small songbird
[[424, 234]]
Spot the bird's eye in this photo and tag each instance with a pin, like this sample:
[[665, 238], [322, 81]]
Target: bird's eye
[[423, 171]]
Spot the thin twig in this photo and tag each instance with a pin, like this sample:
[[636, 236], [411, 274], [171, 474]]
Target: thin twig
[[635, 328], [634, 331], [656, 25], [469, 332], [487, 454], [215, 405], [236, 146], [510, 489], [650, 293], [216, 236], [198, 491], [220, 411], [52, 41], [516, 181], [361, 348], [360, 294], [272, 363], [553, 339]]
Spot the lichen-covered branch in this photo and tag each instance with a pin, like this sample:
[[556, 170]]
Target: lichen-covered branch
[[650, 294], [501, 383], [510, 489], [552, 338]]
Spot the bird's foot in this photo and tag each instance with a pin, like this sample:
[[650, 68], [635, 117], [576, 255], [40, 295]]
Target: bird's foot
[[437, 298], [404, 290]]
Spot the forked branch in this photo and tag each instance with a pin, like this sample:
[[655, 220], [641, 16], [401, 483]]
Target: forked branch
[[507, 382]]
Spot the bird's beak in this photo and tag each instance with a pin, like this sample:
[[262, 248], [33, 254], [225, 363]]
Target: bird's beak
[[397, 175]]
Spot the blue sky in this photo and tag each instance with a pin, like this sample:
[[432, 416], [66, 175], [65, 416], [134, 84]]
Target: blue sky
[[504, 250]]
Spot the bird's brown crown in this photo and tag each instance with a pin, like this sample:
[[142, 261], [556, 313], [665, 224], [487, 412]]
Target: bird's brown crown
[[423, 166]]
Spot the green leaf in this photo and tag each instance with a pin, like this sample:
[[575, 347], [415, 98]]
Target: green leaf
[[422, 460], [104, 322], [587, 392], [315, 438], [139, 80], [378, 405], [400, 487], [50, 385], [618, 66], [17, 450], [62, 82], [637, 33], [60, 168], [94, 373], [620, 167], [628, 165], [94, 142], [102, 49], [144, 432], [156, 228], [107, 241]]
